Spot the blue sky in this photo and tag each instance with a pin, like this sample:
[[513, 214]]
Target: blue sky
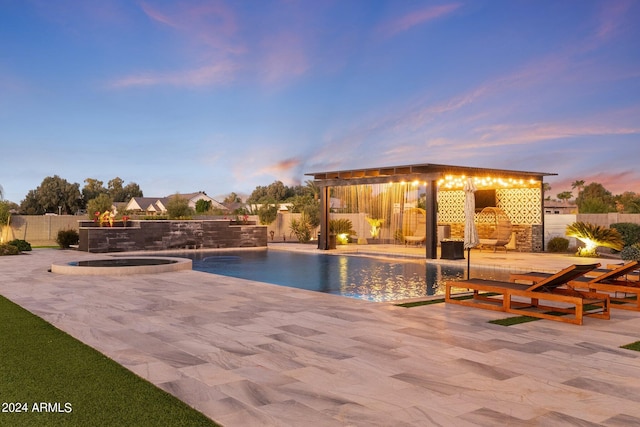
[[223, 96]]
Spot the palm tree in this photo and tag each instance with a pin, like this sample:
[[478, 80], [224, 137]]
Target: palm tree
[[579, 184]]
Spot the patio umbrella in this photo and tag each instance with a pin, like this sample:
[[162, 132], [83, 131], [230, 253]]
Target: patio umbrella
[[470, 230]]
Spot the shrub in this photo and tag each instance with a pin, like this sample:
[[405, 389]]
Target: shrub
[[22, 245], [631, 253], [629, 232], [301, 228], [178, 208], [593, 236], [66, 238], [342, 228], [7, 249], [558, 244], [267, 214]]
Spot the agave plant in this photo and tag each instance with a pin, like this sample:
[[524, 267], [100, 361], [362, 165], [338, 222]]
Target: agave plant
[[593, 236]]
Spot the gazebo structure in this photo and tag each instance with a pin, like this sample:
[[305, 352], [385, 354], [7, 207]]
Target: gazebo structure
[[382, 198]]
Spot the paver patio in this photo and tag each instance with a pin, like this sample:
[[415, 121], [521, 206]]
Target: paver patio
[[252, 354]]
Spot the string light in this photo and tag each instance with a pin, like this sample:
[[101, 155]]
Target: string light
[[451, 182]]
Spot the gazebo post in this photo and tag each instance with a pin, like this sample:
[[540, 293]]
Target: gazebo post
[[324, 218], [431, 209]]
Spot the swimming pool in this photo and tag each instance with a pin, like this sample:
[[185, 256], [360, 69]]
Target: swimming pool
[[366, 278]]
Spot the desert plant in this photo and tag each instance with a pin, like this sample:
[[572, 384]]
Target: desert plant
[[22, 245], [343, 228], [631, 253], [629, 232], [301, 228], [558, 244], [376, 225], [7, 249], [66, 238], [593, 236]]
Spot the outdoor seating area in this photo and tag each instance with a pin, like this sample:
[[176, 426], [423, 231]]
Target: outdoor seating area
[[543, 299], [624, 292], [494, 228]]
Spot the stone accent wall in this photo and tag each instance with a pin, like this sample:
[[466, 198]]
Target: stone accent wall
[[162, 235]]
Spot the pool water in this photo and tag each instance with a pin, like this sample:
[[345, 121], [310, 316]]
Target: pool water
[[366, 278]]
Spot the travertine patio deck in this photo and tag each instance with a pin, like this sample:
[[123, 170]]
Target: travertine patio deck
[[251, 354]]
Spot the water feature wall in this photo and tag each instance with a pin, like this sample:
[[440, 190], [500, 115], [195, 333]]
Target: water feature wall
[[161, 235]]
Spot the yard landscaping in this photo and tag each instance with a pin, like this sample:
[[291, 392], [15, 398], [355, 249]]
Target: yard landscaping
[[48, 378]]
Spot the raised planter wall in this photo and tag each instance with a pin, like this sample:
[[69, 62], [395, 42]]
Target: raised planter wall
[[162, 235]]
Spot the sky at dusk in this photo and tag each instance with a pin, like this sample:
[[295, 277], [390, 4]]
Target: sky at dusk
[[223, 96]]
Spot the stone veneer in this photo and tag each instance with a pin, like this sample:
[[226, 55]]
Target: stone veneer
[[168, 234]]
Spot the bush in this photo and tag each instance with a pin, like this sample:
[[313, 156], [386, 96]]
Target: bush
[[558, 244], [66, 238], [22, 245], [267, 214], [178, 208], [629, 232], [631, 253], [7, 249], [301, 228]]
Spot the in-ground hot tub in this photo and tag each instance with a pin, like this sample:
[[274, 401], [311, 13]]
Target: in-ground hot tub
[[120, 266]]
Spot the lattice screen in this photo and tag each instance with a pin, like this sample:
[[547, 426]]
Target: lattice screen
[[522, 205]]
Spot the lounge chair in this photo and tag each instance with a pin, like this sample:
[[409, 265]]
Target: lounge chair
[[528, 299], [624, 293]]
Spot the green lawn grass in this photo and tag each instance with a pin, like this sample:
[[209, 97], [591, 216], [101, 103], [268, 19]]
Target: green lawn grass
[[635, 346], [78, 385]]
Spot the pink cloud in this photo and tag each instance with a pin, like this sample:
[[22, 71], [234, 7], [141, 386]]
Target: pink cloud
[[210, 75], [211, 24], [612, 18], [284, 57], [417, 17]]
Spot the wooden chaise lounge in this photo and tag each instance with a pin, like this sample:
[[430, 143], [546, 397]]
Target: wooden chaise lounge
[[549, 294], [624, 293]]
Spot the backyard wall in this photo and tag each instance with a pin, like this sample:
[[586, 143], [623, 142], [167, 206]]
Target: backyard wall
[[166, 234], [39, 230]]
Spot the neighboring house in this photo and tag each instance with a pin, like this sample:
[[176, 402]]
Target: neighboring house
[[555, 207], [158, 205]]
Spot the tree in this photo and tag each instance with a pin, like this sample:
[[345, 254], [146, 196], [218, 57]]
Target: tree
[[122, 193], [5, 213], [273, 193], [55, 195], [1, 193], [594, 198], [232, 198], [101, 203], [546, 187], [92, 189], [579, 184], [178, 208], [565, 195], [629, 202]]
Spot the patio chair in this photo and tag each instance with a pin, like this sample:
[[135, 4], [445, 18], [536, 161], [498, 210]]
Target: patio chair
[[541, 299], [624, 293]]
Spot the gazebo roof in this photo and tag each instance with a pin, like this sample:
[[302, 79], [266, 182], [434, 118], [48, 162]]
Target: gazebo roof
[[424, 171]]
